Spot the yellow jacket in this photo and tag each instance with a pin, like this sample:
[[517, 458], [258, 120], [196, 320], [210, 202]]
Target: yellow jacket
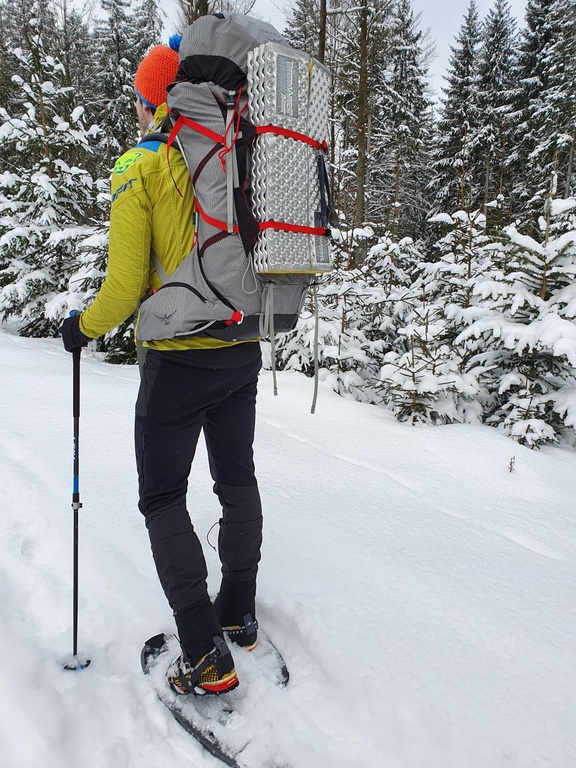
[[151, 209]]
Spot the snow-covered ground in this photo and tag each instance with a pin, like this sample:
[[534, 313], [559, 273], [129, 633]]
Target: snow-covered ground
[[422, 593]]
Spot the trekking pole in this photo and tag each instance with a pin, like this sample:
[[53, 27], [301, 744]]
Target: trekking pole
[[76, 663]]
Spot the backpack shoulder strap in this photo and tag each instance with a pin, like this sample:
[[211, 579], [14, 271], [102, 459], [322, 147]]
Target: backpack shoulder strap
[[160, 271], [155, 136], [161, 135]]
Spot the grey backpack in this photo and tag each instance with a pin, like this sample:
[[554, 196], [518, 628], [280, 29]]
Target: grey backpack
[[250, 116]]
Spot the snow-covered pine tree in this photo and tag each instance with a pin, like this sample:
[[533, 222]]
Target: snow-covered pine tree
[[458, 180], [302, 26], [75, 51], [116, 51], [427, 376], [525, 309], [534, 157], [148, 25], [497, 83], [190, 10], [358, 41], [561, 121], [47, 204], [400, 138], [14, 18], [6, 85]]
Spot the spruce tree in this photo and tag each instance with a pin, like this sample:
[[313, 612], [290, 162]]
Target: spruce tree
[[524, 317], [48, 205], [148, 25], [302, 29], [358, 312], [428, 376], [76, 45], [399, 161], [16, 17], [361, 39], [458, 182], [497, 83], [117, 53], [561, 119], [534, 159]]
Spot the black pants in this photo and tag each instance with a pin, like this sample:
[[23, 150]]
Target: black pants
[[182, 393]]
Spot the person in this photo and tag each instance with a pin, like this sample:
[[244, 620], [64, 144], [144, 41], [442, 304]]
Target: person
[[188, 386]]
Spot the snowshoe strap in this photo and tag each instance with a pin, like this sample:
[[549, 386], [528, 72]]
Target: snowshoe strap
[[219, 651], [250, 626]]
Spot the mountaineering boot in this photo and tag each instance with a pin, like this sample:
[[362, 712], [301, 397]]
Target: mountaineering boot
[[235, 606], [213, 674]]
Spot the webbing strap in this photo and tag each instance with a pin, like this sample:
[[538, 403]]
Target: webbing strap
[[283, 225], [160, 271], [229, 165], [214, 222], [199, 128], [278, 130], [228, 226], [262, 225]]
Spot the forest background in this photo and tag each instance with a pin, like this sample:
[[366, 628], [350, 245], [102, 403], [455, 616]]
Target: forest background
[[453, 297]]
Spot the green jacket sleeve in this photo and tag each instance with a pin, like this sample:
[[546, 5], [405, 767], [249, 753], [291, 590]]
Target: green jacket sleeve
[[129, 248]]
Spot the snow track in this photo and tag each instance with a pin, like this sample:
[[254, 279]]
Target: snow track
[[422, 594]]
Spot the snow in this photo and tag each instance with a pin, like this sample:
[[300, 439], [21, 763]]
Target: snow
[[441, 218], [77, 113], [419, 580], [560, 206]]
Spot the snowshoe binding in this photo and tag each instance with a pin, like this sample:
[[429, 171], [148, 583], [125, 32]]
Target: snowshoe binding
[[244, 635], [213, 674]]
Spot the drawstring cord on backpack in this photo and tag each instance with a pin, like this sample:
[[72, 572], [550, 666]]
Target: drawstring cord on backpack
[[234, 115], [272, 339], [267, 328], [316, 345]]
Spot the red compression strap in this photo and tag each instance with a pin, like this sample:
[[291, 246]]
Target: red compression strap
[[199, 128], [291, 135], [270, 224], [214, 222], [285, 227], [173, 133]]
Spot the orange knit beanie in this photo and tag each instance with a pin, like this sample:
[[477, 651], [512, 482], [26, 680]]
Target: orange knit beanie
[[156, 71]]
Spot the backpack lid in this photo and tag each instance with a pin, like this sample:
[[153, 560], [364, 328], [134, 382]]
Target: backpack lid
[[215, 48]]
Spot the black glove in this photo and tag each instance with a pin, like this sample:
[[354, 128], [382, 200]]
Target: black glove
[[72, 336]]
